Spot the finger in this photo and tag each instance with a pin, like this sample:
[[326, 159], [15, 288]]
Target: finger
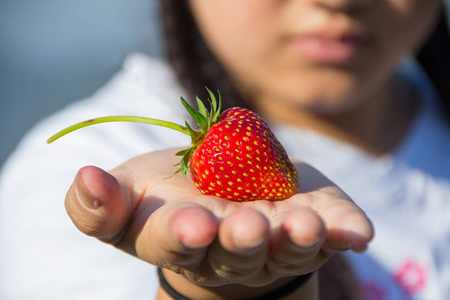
[[242, 246], [175, 236], [96, 205], [296, 243], [348, 226]]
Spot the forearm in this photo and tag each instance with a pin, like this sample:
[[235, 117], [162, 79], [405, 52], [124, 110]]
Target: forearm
[[308, 290]]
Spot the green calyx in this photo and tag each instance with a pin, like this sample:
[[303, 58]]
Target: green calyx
[[202, 116], [205, 119]]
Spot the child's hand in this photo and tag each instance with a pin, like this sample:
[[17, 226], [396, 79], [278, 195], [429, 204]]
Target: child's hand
[[212, 241]]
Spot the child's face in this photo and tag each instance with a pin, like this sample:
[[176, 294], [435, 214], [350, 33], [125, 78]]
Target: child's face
[[321, 54]]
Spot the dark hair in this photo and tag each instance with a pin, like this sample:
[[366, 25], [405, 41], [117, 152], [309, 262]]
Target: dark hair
[[434, 56], [196, 66]]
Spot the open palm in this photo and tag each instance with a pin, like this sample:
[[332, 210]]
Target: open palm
[[168, 223]]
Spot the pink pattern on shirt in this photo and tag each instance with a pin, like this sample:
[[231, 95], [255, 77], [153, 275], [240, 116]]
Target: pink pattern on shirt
[[411, 276]]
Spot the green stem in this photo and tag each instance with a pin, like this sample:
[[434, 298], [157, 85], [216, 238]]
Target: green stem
[[118, 119]]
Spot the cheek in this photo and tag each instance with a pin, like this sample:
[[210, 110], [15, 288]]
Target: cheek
[[234, 29]]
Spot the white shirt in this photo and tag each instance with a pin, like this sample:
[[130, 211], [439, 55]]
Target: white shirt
[[43, 255]]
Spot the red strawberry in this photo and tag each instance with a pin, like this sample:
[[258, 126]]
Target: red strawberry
[[240, 159], [233, 155]]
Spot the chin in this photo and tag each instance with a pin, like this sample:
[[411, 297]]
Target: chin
[[329, 108], [327, 104], [329, 93]]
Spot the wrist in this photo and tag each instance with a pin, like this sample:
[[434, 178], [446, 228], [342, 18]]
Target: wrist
[[302, 287]]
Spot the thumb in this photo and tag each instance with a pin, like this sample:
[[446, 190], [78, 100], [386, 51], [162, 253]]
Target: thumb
[[96, 204]]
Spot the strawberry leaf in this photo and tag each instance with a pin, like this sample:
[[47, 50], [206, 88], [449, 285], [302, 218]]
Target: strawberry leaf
[[194, 134], [217, 106], [198, 117], [201, 108], [184, 162], [182, 153], [212, 99]]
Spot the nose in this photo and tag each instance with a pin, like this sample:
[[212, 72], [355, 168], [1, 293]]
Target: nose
[[344, 5]]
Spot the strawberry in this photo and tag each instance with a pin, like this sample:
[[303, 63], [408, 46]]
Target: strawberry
[[240, 159], [233, 155]]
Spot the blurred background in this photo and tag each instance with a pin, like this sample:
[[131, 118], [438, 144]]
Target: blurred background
[[53, 52]]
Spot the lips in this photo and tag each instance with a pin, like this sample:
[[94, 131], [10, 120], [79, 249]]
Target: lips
[[328, 47]]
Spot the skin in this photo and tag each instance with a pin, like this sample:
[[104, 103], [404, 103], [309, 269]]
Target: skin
[[288, 84], [204, 242], [209, 240]]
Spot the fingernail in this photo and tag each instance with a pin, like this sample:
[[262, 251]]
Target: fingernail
[[83, 196]]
